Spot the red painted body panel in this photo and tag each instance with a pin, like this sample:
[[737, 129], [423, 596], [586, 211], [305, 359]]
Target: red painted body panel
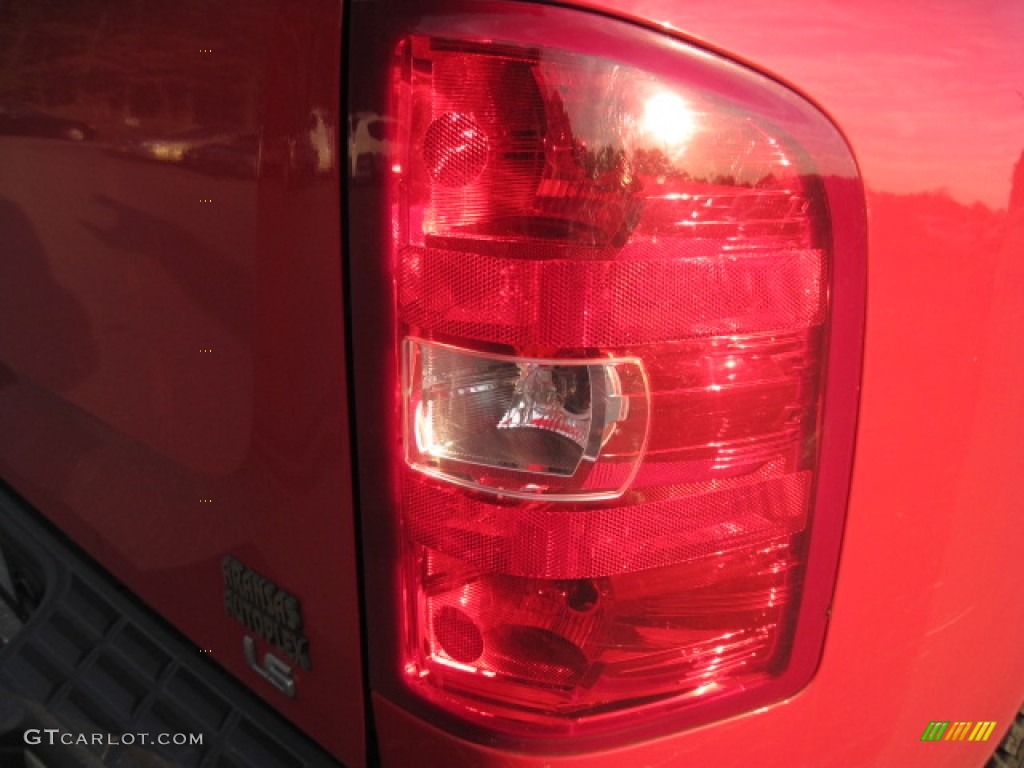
[[171, 333], [114, 276]]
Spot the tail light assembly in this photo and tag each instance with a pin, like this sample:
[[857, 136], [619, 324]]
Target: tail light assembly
[[626, 289]]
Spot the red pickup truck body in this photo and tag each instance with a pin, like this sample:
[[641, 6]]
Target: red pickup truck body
[[193, 360]]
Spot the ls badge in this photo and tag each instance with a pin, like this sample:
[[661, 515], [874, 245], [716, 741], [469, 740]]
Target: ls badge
[[271, 614], [273, 670]]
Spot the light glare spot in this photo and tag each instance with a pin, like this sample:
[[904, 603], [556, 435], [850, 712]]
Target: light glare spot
[[669, 120]]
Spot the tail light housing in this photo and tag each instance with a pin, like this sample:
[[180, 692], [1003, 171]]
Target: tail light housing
[[626, 281]]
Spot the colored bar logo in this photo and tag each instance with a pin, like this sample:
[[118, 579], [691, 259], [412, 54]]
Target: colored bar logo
[[959, 731]]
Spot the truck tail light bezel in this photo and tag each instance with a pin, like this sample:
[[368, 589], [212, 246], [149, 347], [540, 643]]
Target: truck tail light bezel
[[386, 349]]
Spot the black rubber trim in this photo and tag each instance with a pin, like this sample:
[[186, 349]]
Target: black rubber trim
[[1010, 753], [92, 659]]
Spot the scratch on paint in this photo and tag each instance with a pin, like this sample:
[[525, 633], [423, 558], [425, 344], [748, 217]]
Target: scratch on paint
[[951, 622]]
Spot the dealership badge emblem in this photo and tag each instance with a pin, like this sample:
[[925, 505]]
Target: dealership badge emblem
[[270, 614]]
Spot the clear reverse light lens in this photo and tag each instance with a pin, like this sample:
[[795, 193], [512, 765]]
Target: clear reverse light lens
[[524, 427]]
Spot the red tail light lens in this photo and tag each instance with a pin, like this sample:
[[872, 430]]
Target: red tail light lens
[[615, 281]]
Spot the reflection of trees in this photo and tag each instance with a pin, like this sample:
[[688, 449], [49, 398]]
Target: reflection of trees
[[654, 162], [968, 230], [1017, 185], [130, 60], [599, 162]]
